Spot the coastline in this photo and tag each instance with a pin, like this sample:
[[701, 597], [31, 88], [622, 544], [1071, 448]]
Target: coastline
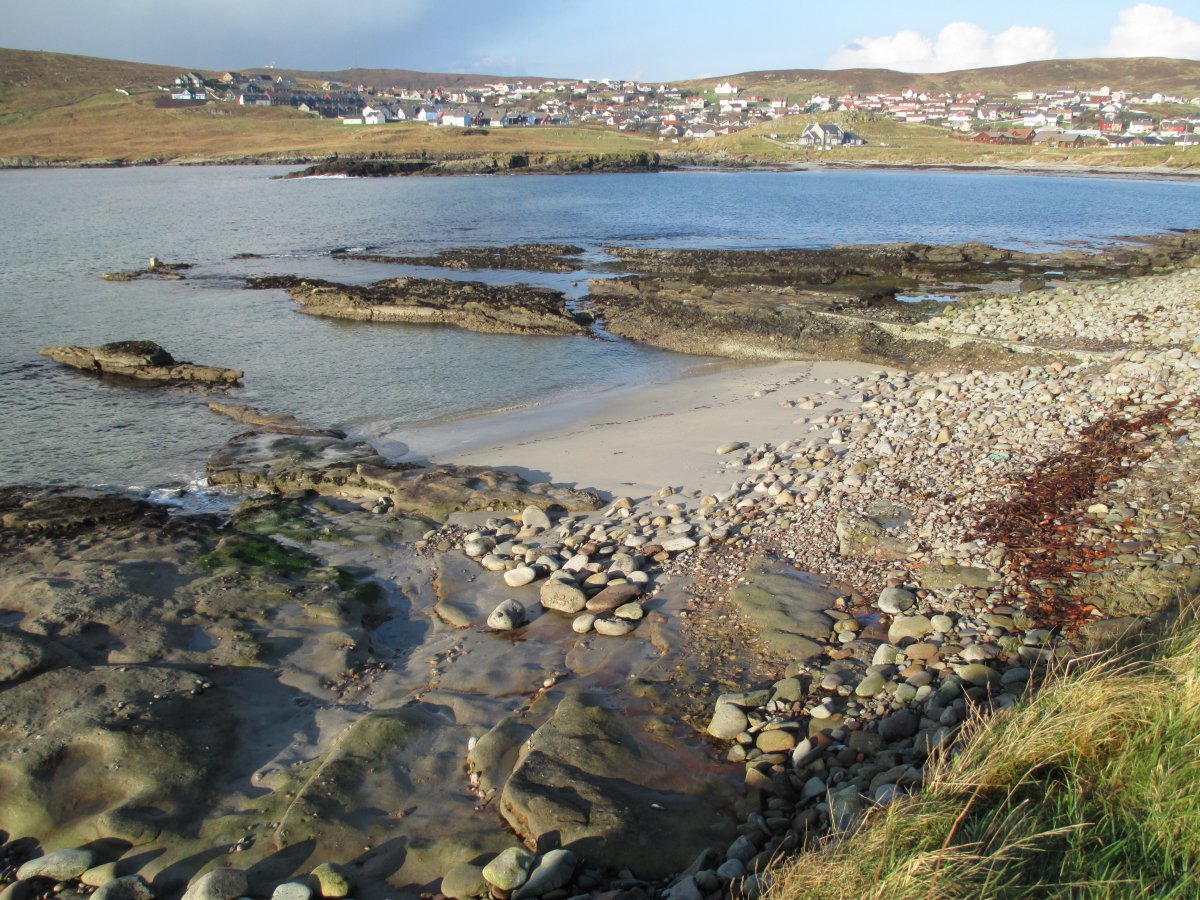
[[670, 162], [796, 550]]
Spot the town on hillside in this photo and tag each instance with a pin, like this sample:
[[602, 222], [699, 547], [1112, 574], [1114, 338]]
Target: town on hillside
[[1056, 117]]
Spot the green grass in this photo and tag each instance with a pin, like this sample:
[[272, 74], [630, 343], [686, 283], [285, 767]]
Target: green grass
[[1091, 789]]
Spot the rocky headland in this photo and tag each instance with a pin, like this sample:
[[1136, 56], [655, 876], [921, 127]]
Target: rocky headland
[[384, 677], [491, 164], [141, 361], [495, 309]]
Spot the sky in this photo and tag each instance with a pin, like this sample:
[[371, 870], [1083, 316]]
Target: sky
[[649, 40]]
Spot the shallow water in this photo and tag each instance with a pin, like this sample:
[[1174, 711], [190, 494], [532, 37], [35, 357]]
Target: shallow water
[[64, 227]]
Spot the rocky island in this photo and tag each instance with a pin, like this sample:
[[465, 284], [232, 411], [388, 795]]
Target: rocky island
[[141, 361]]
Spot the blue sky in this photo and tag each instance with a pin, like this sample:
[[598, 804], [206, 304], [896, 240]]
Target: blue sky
[[645, 39]]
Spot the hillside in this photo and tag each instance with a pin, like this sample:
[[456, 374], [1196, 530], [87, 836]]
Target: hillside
[[56, 107], [1173, 76]]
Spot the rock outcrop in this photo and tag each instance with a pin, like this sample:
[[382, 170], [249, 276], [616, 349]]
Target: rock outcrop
[[525, 257], [494, 309], [141, 361], [329, 465]]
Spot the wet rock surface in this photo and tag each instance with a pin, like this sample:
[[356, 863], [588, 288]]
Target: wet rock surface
[[140, 361], [474, 305]]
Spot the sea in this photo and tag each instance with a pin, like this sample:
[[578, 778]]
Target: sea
[[63, 227]]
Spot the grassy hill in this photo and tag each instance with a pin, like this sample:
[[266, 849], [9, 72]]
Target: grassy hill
[[1173, 76], [61, 108]]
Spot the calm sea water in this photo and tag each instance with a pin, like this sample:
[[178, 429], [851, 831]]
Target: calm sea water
[[61, 228]]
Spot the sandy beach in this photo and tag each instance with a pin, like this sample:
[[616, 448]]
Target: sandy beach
[[638, 441]]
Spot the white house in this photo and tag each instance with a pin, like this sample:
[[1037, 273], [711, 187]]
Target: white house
[[426, 114], [459, 118], [726, 89], [374, 115]]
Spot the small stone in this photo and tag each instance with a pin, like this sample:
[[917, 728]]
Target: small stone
[[894, 600], [219, 884], [775, 741], [630, 611], [533, 517], [464, 881], [510, 869], [128, 887], [613, 596], [563, 597], [520, 576], [730, 447], [333, 882], [742, 849], [731, 869], [977, 674], [678, 544], [552, 872], [871, 686], [100, 875], [899, 726], [508, 615], [61, 865], [583, 624], [728, 722], [613, 627], [941, 623], [903, 627], [292, 890]]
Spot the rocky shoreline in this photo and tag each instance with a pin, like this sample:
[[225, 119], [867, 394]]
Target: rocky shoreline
[[492, 164], [919, 548]]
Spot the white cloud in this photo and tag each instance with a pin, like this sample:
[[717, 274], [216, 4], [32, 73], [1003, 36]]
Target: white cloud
[[1149, 30], [959, 45]]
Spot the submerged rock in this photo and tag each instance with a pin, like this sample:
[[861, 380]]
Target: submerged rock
[[142, 361]]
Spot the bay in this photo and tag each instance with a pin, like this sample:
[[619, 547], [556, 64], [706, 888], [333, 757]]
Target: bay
[[63, 227]]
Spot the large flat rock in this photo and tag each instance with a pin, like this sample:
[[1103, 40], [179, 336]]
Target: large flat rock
[[613, 798], [788, 607]]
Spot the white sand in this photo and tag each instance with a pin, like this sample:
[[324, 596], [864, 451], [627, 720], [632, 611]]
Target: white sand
[[638, 442]]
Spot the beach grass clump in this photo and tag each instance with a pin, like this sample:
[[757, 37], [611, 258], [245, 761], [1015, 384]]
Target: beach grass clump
[[1089, 788]]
